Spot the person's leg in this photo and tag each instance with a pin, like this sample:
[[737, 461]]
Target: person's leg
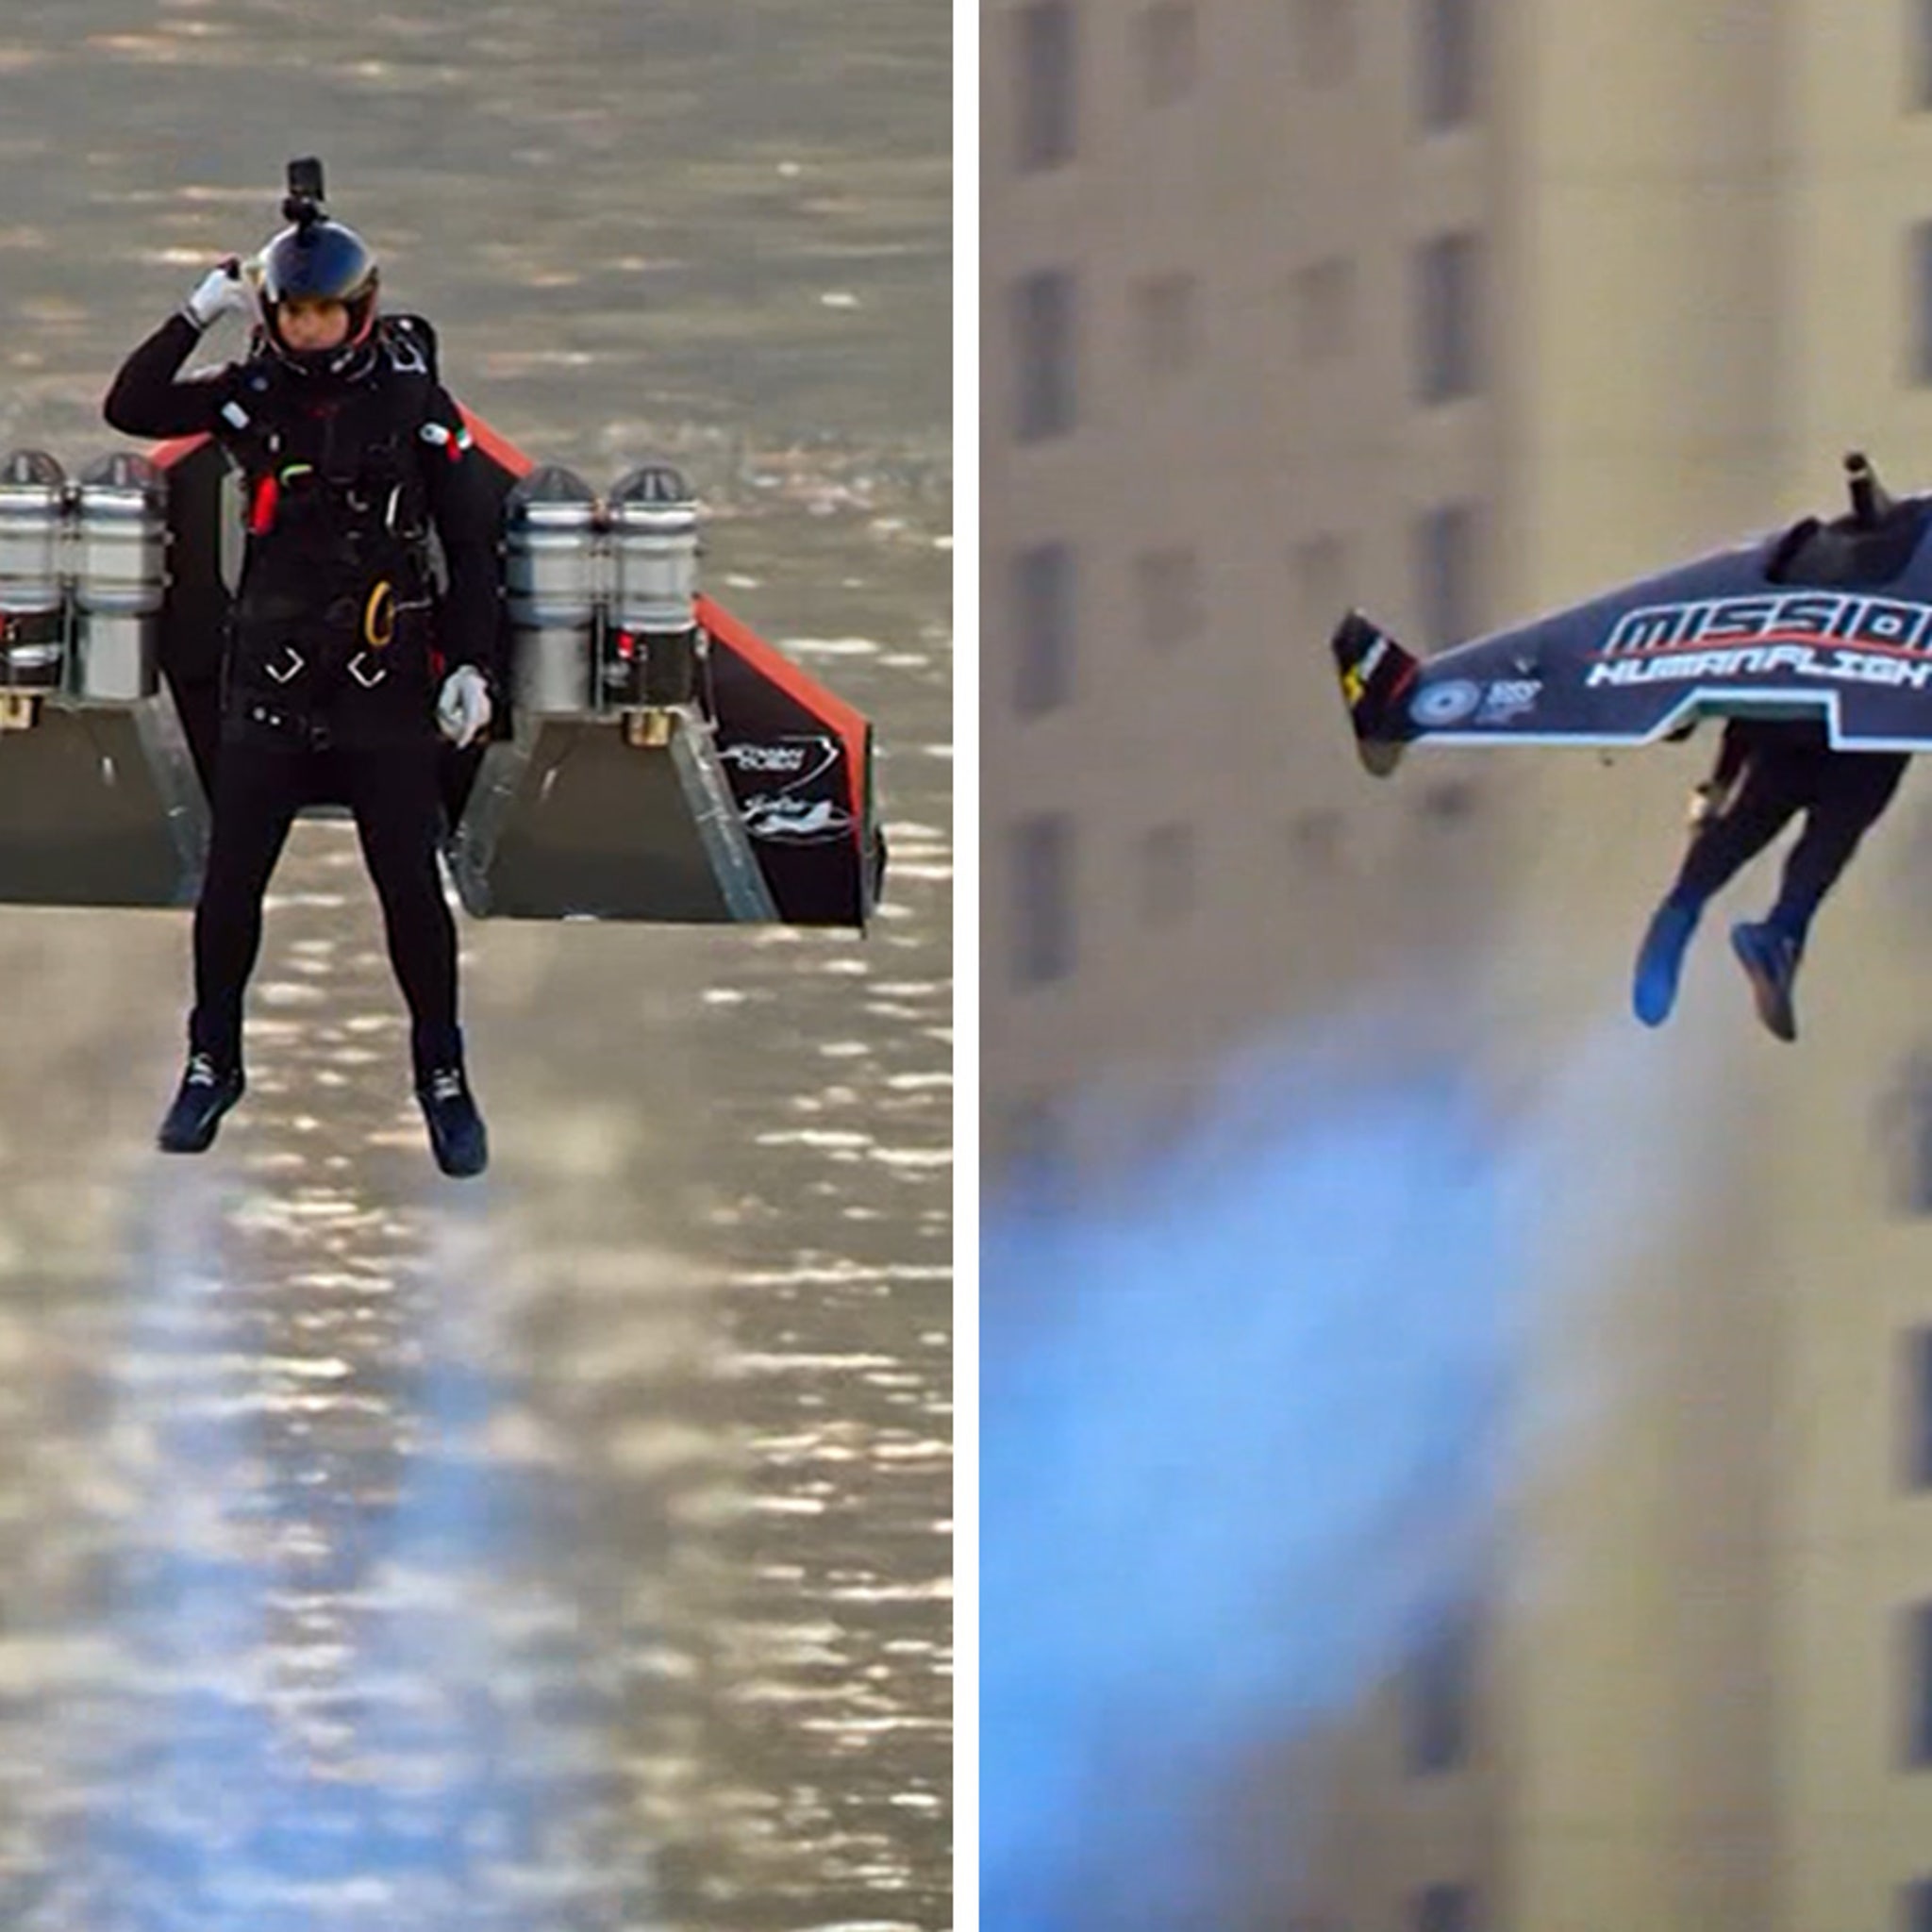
[[1848, 793], [257, 793], [398, 809], [1770, 792], [1764, 802], [1851, 791]]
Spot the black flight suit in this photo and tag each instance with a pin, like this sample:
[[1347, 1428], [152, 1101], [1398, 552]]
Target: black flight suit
[[336, 647], [1767, 771]]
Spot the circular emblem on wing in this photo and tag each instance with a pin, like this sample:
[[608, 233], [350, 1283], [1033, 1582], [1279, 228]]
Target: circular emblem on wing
[[1448, 703]]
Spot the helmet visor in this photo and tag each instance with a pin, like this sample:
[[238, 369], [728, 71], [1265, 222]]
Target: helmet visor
[[323, 262]]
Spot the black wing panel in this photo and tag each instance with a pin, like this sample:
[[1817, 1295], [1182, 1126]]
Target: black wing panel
[[1807, 624], [762, 807], [798, 761], [570, 820], [100, 806]]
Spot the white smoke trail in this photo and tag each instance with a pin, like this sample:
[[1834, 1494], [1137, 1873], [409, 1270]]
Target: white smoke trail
[[1245, 1438]]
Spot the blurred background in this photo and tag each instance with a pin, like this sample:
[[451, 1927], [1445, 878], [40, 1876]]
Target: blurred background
[[572, 1548], [1453, 1460]]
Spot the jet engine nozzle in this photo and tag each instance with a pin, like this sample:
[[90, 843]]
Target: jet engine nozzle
[[1871, 502], [654, 546], [552, 548], [120, 577]]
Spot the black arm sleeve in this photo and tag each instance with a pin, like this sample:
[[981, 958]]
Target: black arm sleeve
[[146, 400], [464, 513]]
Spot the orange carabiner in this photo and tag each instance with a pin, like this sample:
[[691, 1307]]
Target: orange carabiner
[[380, 616]]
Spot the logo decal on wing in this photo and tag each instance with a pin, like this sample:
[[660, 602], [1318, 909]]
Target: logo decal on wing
[[1827, 634], [789, 789], [1508, 698], [1448, 703]]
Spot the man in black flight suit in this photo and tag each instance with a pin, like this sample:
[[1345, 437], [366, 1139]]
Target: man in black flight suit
[[338, 670]]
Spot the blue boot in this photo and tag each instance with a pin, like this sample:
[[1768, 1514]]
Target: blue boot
[[1769, 957], [1660, 960]]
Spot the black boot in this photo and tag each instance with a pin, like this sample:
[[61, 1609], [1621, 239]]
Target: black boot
[[209, 1089], [456, 1135]]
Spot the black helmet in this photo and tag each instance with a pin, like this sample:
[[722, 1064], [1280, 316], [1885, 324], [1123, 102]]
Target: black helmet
[[320, 260]]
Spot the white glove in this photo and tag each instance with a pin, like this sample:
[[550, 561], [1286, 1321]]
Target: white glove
[[464, 709], [220, 291], [1705, 800]]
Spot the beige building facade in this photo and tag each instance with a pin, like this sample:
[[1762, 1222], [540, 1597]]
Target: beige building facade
[[1457, 309]]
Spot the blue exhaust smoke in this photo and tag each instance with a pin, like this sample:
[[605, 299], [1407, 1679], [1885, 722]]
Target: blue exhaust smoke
[[259, 1770], [1242, 1444]]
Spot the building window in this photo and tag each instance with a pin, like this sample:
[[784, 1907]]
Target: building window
[[1042, 593], [1166, 314], [1919, 61], [1167, 585], [1043, 354], [1447, 302], [1036, 1154], [1169, 51], [1445, 1909], [1045, 83], [1441, 1697], [1446, 60], [1042, 863], [1324, 39], [1918, 1687], [1915, 1906], [1447, 588], [1922, 303], [1314, 839], [1320, 575], [1915, 1407], [1906, 1128], [1323, 302], [1167, 873]]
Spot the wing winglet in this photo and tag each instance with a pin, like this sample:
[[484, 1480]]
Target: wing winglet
[[1375, 672]]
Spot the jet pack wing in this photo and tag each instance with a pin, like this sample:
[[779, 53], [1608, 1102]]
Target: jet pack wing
[[654, 759], [664, 762], [1832, 621]]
